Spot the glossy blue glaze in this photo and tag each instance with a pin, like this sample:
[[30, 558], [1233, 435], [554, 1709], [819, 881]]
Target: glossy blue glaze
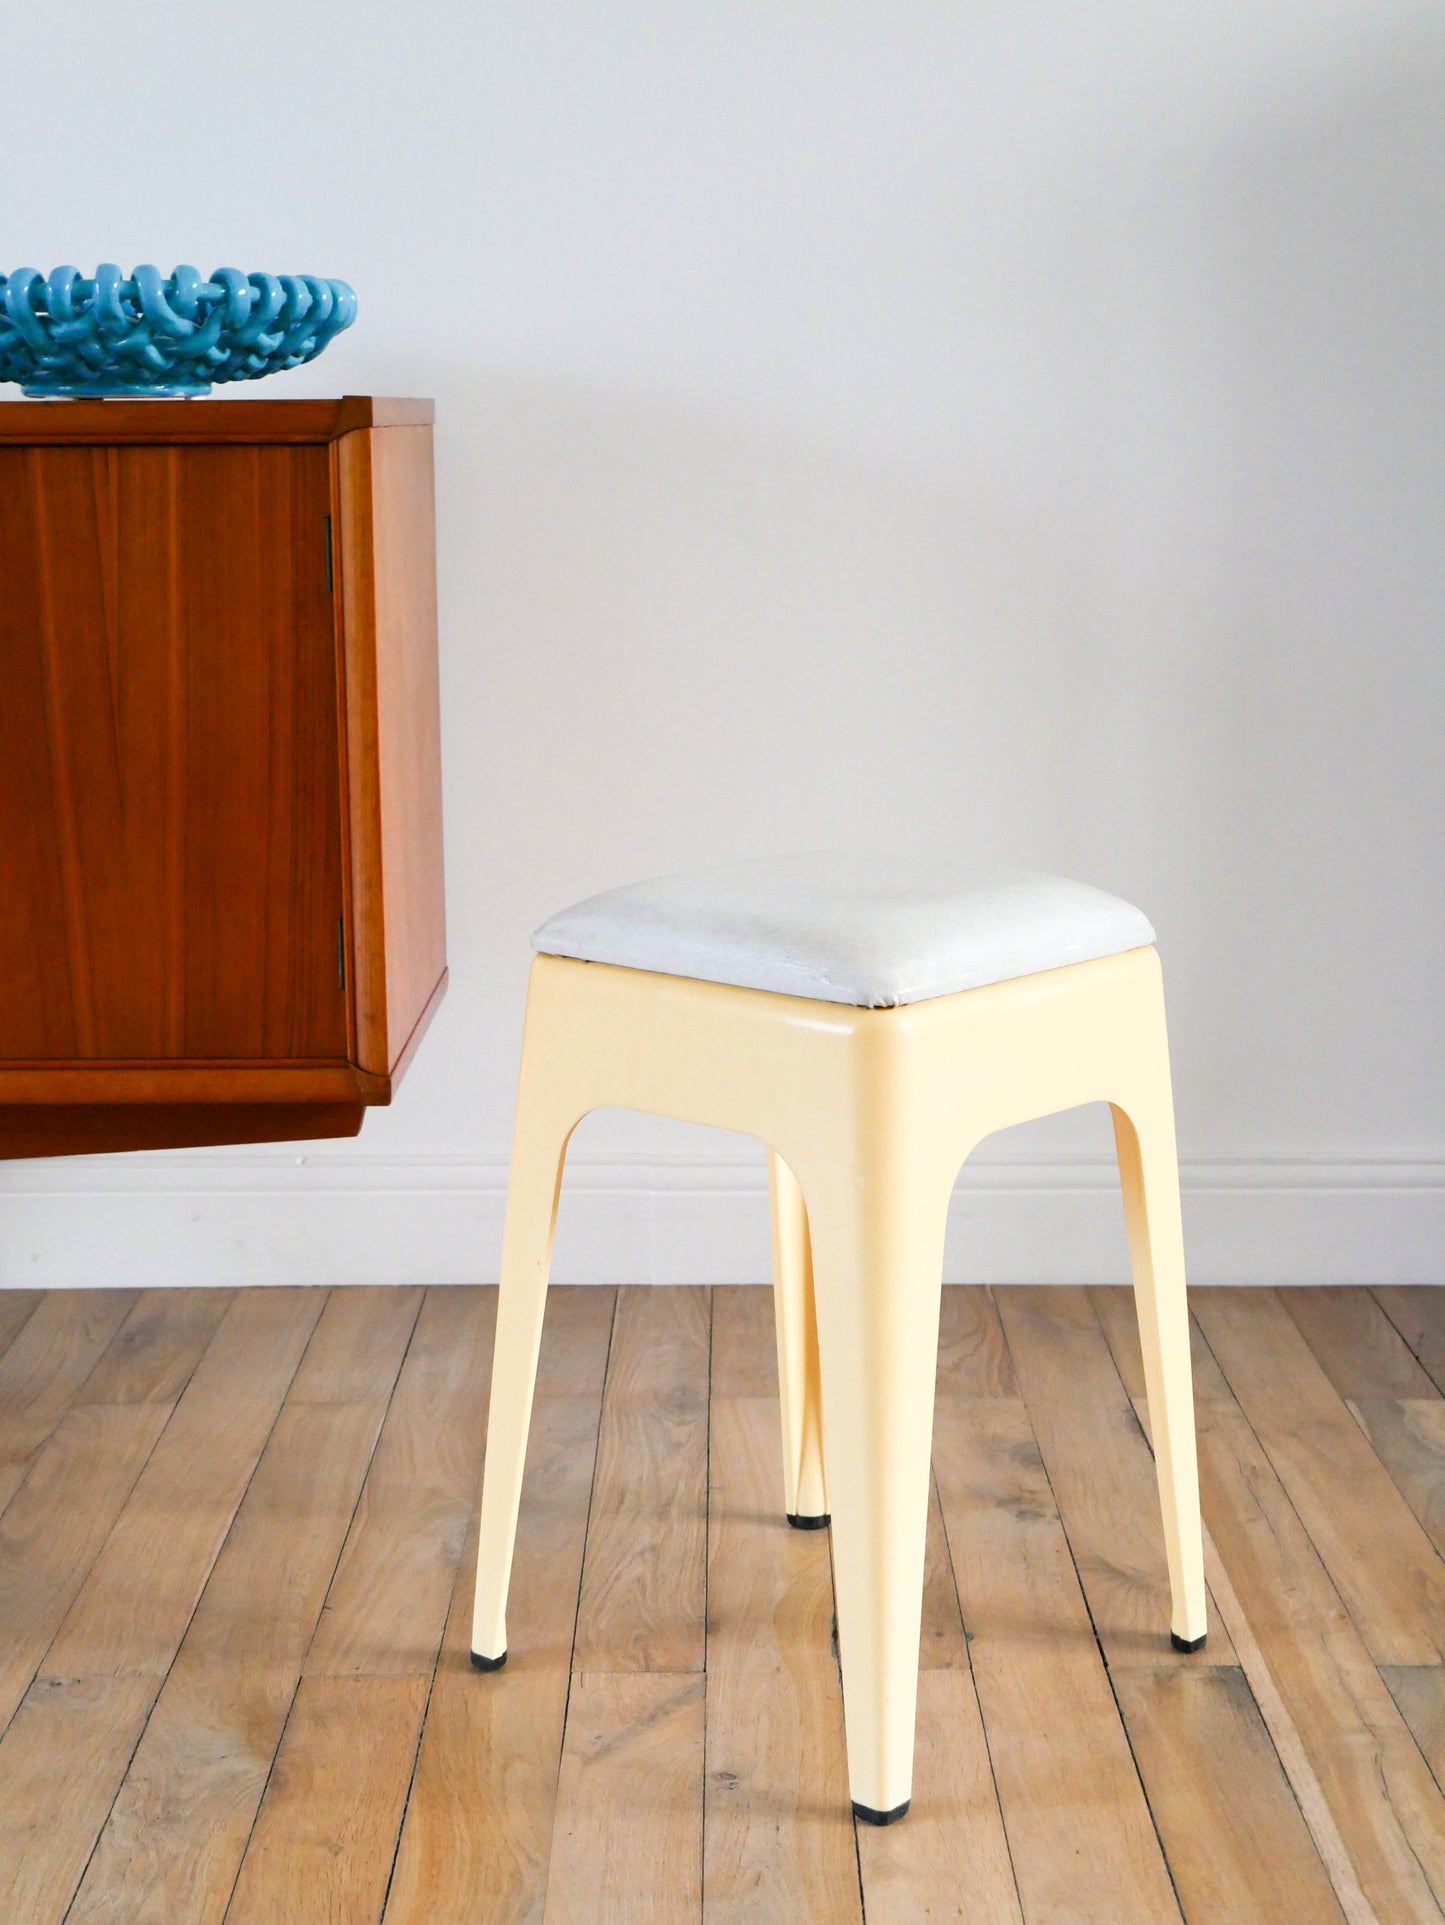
[[153, 334]]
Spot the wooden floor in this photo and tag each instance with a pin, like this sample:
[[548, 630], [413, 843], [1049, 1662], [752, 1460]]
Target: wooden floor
[[235, 1582]]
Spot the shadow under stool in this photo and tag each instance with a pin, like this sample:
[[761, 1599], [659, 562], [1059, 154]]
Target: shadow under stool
[[871, 1020]]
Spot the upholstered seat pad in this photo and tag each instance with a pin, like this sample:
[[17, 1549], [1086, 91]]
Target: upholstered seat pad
[[873, 931]]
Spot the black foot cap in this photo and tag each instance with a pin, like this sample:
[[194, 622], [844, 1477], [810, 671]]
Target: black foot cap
[[1187, 1644], [871, 1817], [808, 1523], [479, 1663]]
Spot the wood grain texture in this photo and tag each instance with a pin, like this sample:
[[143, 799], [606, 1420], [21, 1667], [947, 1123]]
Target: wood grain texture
[[1101, 1472], [627, 1838], [151, 1357], [62, 1514], [393, 736], [251, 421], [1114, 1307], [131, 1612], [60, 1762], [212, 858], [1408, 1437], [1355, 1344], [1418, 1314], [179, 1826], [387, 1606], [56, 1087], [56, 1523], [45, 1365], [951, 1859], [491, 1745], [1387, 1809], [479, 1821], [1382, 1563], [645, 1575], [1212, 1392], [1419, 1691], [973, 1356], [779, 1837], [1304, 1784], [94, 1129], [171, 810], [321, 1851], [16, 1308], [1083, 1845], [744, 1346], [1237, 1845], [943, 1644]]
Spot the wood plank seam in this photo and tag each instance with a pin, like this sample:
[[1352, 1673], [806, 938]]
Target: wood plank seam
[[983, 1723], [160, 1682], [20, 1695], [1289, 1747], [90, 1565], [75, 1394], [421, 1727], [1417, 1354], [120, 1509], [340, 1551], [24, 1319], [1284, 1733], [1421, 1512], [70, 1405], [581, 1573], [473, 1502], [1098, 1641]]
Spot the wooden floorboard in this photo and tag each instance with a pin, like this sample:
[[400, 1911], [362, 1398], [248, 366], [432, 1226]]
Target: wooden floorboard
[[1236, 1841], [477, 1834], [1356, 1345], [1077, 1819], [1419, 1316], [1379, 1558], [1387, 1808], [16, 1309], [778, 1825], [951, 1858], [173, 1842], [645, 1575], [627, 1837], [1101, 1473], [44, 1367], [236, 1542], [322, 1846], [387, 1607]]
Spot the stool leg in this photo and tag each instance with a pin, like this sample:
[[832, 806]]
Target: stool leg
[[878, 1268], [804, 1495], [1149, 1173], [539, 1146]]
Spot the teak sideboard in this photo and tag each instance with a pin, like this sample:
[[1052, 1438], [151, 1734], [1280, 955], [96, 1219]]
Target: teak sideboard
[[221, 914]]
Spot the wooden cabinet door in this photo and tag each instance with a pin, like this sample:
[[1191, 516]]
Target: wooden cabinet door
[[170, 807]]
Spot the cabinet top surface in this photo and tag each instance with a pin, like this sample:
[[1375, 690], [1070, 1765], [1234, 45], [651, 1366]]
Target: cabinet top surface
[[36, 423]]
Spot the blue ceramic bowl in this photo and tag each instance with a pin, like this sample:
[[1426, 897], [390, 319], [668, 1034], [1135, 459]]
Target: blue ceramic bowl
[[154, 334]]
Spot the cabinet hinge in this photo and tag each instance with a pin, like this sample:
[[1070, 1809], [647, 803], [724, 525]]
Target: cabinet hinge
[[330, 583]]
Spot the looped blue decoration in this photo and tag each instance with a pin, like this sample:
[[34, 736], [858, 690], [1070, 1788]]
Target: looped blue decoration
[[154, 334]]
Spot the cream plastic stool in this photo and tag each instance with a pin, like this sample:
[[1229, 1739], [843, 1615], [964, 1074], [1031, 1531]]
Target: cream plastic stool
[[871, 1020]]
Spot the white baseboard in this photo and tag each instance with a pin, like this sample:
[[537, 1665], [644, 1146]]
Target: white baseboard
[[235, 1217]]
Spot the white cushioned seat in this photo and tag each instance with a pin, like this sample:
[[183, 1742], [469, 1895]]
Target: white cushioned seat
[[872, 931]]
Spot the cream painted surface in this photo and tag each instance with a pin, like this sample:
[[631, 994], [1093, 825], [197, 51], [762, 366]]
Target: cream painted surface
[[1009, 431], [872, 1111]]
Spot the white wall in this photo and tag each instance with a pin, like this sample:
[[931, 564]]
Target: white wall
[[1017, 429]]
